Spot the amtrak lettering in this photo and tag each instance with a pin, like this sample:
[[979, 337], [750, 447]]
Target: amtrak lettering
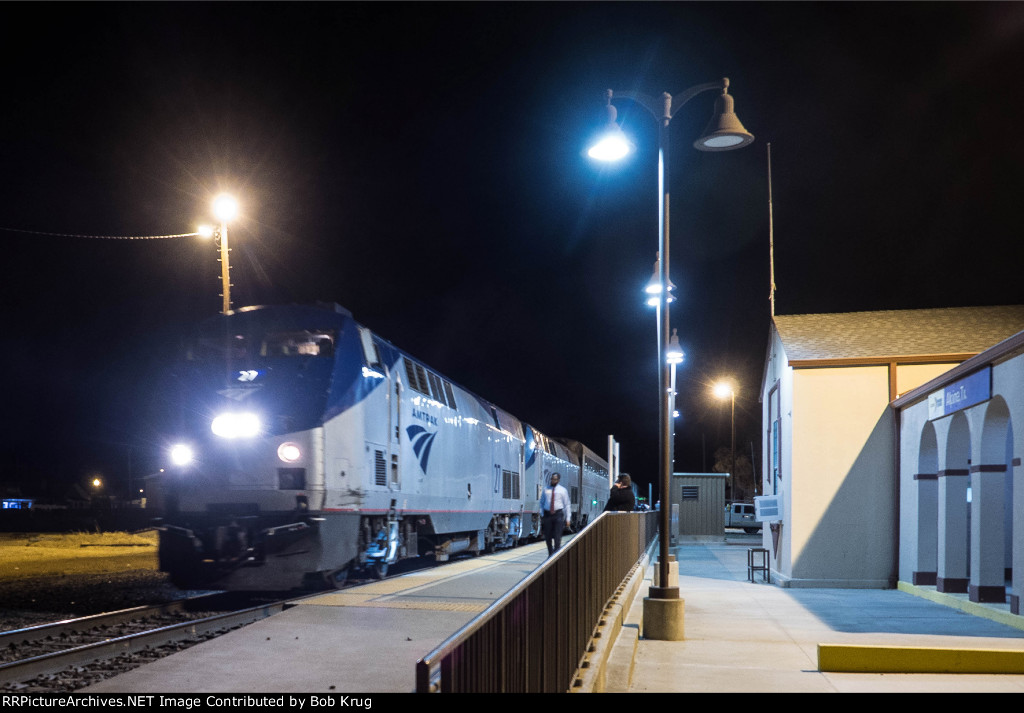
[[432, 420]]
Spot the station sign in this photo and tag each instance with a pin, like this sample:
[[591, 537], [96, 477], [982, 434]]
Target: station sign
[[962, 393]]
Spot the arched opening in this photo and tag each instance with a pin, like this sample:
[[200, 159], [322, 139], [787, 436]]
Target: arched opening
[[926, 489], [953, 507], [991, 482]]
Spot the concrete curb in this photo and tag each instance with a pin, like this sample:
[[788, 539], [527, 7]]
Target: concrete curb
[[618, 632], [849, 658]]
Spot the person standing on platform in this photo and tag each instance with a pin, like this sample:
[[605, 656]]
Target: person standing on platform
[[620, 497], [555, 512]]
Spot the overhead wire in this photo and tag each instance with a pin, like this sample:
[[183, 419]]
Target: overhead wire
[[100, 237]]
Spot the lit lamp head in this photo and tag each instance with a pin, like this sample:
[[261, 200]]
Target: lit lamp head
[[724, 132], [611, 143], [653, 288], [225, 208], [674, 354], [723, 390]]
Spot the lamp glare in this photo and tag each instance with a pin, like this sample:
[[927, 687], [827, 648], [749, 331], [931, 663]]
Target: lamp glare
[[225, 208]]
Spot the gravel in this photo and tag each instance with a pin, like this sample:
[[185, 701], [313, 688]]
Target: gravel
[[39, 600]]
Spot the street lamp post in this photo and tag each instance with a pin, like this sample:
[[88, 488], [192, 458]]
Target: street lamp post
[[723, 133], [225, 208], [724, 389]]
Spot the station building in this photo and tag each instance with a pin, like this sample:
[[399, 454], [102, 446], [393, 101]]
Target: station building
[[839, 437]]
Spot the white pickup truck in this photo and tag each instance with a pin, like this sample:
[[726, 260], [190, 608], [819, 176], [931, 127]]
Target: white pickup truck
[[742, 515]]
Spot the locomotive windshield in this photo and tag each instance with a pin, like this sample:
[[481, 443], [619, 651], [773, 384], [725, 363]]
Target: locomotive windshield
[[241, 347]]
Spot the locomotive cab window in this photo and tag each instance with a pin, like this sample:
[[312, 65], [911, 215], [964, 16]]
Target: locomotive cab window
[[234, 346], [317, 343]]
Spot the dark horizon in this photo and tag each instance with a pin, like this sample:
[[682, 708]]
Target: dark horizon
[[422, 165]]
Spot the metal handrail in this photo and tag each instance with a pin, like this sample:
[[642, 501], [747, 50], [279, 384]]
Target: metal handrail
[[532, 639]]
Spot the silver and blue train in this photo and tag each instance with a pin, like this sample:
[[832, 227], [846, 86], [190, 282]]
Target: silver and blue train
[[311, 448]]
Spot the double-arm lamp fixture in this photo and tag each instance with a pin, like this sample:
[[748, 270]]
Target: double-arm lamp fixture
[[723, 133]]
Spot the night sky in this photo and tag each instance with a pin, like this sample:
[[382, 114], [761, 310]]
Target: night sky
[[422, 165]]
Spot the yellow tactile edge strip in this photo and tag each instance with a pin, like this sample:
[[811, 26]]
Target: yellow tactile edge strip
[[367, 594], [839, 658], [963, 604]]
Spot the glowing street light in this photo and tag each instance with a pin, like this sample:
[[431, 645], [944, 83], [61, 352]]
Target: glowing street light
[[725, 390], [225, 208], [674, 355], [653, 288], [723, 133]]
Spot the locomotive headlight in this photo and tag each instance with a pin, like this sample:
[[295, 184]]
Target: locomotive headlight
[[181, 454], [236, 425], [289, 452]]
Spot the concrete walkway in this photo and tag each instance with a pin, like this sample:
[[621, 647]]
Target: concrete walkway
[[757, 637]]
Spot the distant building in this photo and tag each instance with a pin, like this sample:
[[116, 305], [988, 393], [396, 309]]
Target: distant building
[[16, 504], [830, 435], [698, 504]]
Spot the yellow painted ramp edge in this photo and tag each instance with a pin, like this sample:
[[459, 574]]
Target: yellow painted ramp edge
[[846, 658]]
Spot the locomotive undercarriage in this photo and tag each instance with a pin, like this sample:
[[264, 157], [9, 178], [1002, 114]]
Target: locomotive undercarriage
[[289, 550], [268, 551]]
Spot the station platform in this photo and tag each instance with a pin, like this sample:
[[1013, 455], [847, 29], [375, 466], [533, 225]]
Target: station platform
[[740, 636], [758, 637], [364, 639]]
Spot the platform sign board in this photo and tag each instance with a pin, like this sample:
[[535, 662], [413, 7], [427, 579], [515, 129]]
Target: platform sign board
[[961, 394], [768, 508]]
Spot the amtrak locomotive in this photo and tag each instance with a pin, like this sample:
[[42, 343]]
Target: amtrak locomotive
[[310, 447]]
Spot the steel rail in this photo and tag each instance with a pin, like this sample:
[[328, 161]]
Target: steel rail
[[26, 669]]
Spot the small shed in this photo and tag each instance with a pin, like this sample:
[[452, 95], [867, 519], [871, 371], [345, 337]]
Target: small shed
[[700, 501]]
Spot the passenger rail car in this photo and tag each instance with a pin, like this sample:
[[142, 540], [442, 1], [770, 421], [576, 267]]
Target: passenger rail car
[[591, 490], [311, 446]]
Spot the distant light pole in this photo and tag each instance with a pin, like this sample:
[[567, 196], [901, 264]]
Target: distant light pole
[[723, 133], [674, 355], [723, 390], [225, 208]]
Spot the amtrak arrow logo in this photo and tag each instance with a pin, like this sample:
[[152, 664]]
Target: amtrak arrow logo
[[421, 440]]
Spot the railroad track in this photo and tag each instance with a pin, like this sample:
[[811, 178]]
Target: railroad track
[[68, 655]]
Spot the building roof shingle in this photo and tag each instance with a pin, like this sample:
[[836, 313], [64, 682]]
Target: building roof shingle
[[897, 333]]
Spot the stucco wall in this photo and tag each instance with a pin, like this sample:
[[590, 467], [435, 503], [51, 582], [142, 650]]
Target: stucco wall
[[910, 376], [842, 512]]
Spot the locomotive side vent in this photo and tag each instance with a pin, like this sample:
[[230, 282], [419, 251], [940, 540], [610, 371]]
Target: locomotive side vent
[[380, 468]]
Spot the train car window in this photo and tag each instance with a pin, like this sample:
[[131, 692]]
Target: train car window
[[318, 343]]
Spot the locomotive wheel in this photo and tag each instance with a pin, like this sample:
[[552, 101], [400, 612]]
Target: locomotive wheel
[[379, 569], [337, 578]]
